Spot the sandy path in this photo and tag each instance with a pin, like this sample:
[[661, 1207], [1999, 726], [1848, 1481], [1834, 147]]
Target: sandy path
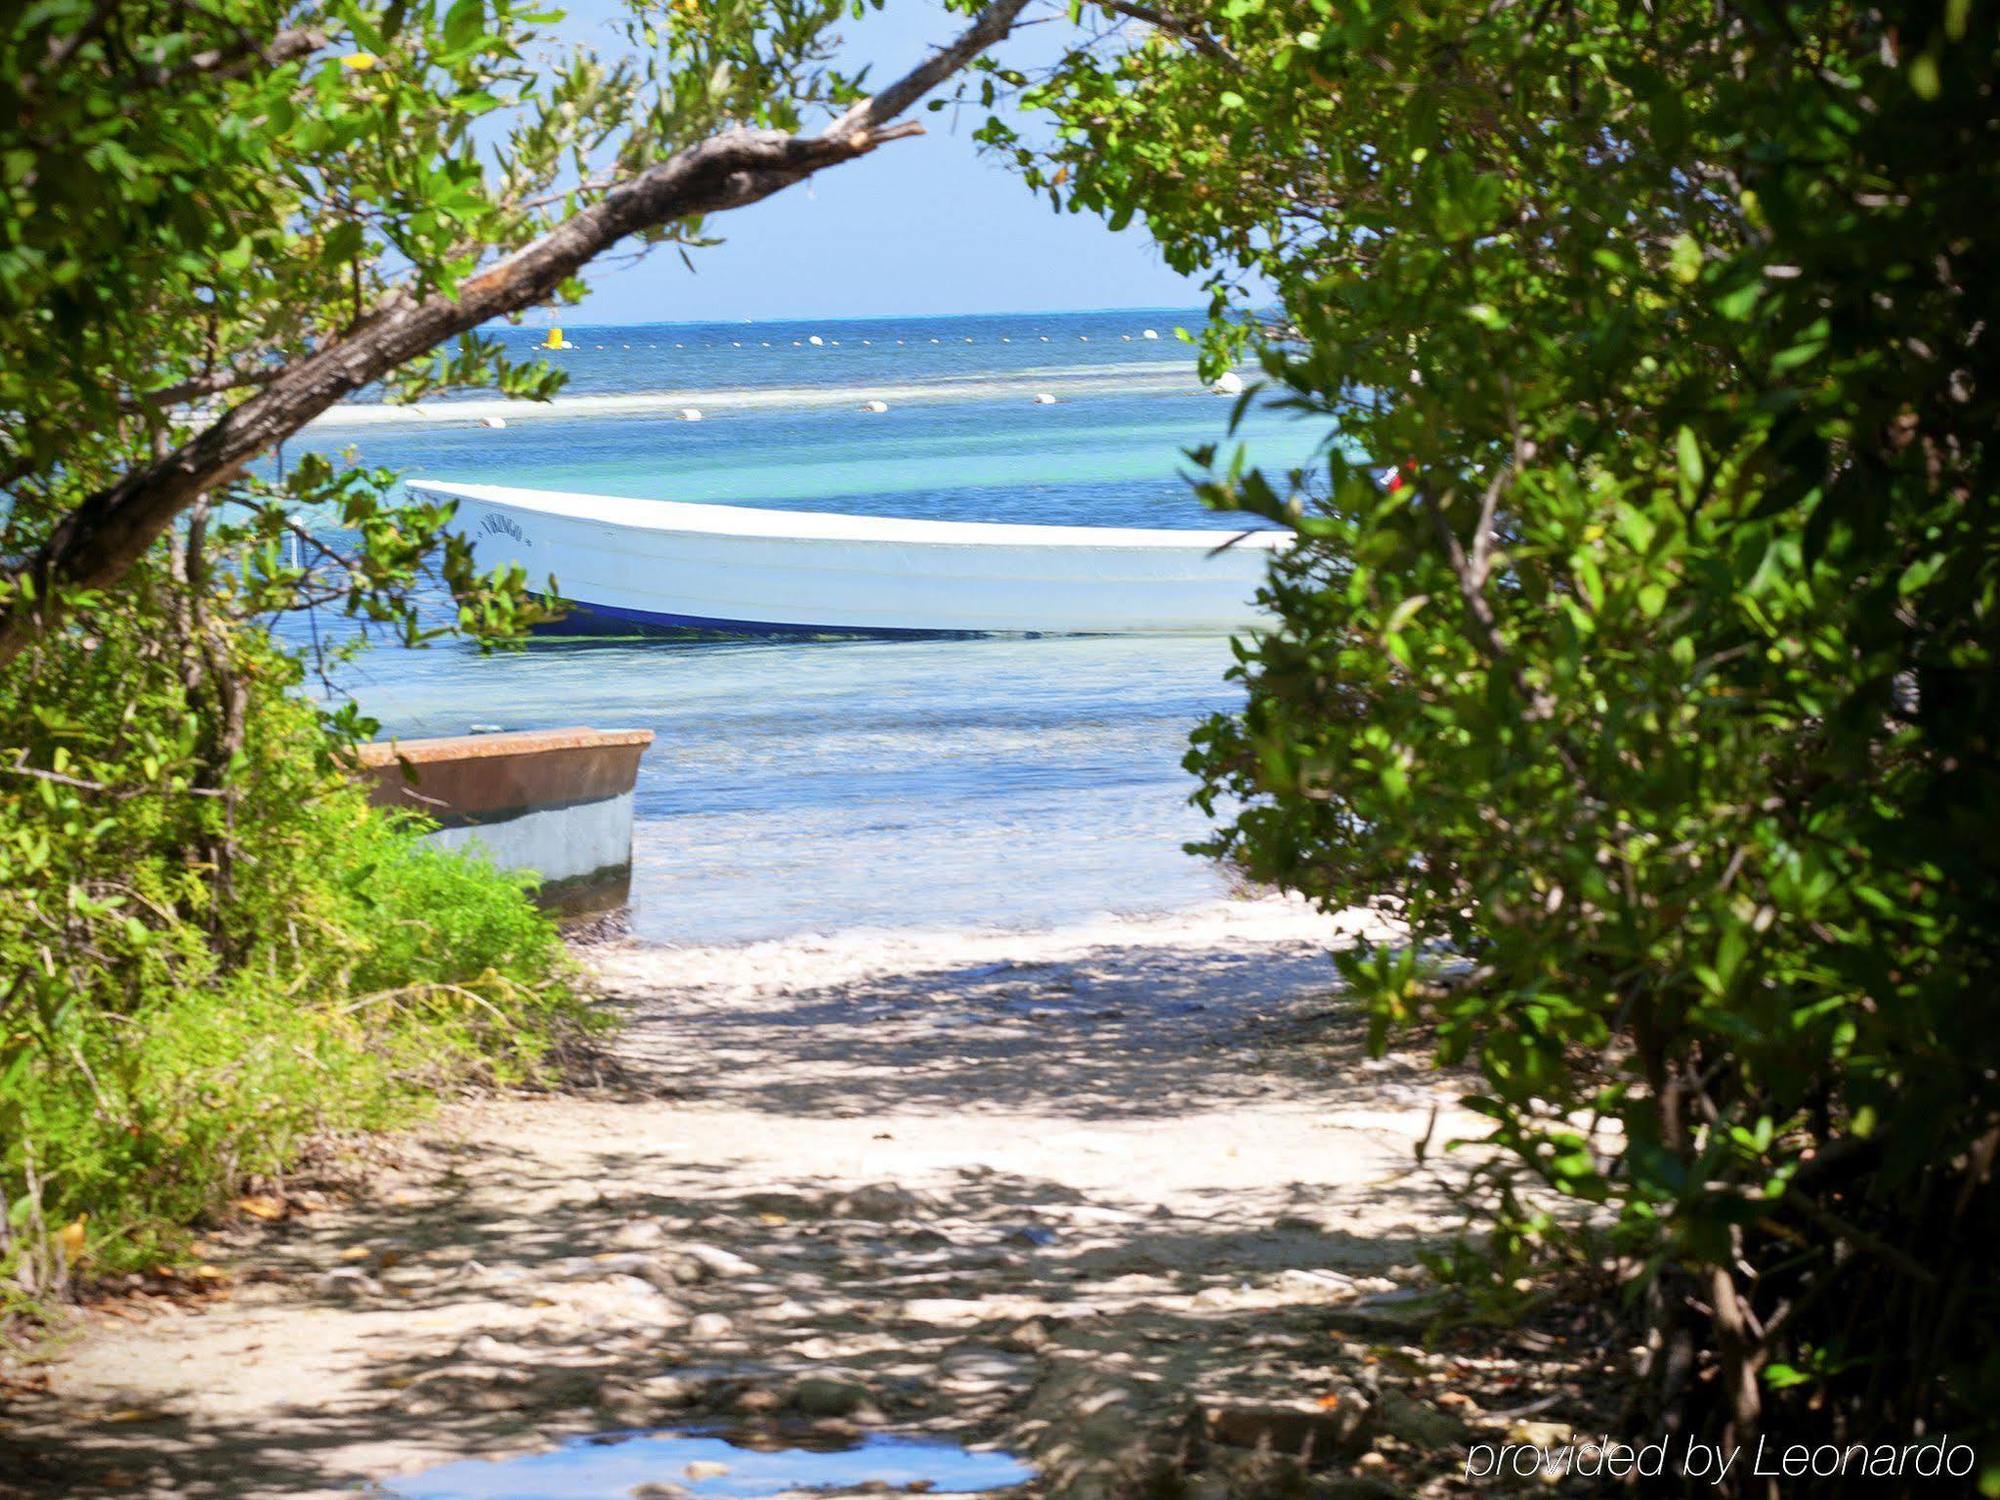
[[1034, 1188]]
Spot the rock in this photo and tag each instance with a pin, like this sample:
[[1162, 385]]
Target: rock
[[639, 1234], [659, 1492], [883, 1201], [1031, 1234], [704, 1468], [1319, 1286], [349, 1282], [565, 1388], [672, 1390], [1415, 1422], [1028, 1338], [706, 1263], [1298, 1224], [829, 1396], [1401, 1314], [756, 1402], [1308, 1431], [488, 1350], [709, 1326]]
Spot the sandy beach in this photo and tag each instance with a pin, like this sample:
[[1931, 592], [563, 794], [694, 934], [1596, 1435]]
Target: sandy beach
[[1008, 1189]]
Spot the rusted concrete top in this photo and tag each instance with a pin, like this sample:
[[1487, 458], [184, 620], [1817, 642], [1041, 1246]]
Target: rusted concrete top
[[480, 746], [482, 778]]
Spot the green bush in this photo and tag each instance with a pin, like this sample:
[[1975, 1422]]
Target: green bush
[[213, 950], [1659, 692]]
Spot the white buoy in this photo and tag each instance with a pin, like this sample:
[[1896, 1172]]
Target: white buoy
[[874, 406], [1045, 338], [690, 413], [1228, 383], [493, 422], [1148, 333], [815, 340], [1126, 336], [1043, 398]]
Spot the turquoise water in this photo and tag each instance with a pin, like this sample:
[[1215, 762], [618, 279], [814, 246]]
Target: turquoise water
[[819, 785]]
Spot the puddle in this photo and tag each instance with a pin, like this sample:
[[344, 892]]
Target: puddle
[[621, 1466]]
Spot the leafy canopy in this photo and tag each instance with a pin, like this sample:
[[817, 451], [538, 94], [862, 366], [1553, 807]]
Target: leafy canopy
[[1657, 687]]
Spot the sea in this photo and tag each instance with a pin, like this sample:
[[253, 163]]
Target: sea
[[818, 786]]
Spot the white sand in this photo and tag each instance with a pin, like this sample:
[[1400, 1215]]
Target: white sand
[[954, 1174]]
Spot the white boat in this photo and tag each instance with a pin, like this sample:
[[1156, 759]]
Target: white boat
[[664, 564]]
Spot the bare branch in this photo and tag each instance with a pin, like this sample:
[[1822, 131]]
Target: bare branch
[[104, 536], [212, 384], [216, 63], [991, 26], [1187, 31]]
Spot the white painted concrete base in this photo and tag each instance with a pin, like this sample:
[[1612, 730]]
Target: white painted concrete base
[[561, 843]]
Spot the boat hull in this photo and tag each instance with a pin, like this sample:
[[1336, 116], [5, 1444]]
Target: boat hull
[[641, 565]]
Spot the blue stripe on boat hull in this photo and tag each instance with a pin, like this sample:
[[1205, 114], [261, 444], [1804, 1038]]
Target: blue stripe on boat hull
[[611, 619]]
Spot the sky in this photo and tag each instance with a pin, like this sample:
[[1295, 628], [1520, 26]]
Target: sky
[[920, 226]]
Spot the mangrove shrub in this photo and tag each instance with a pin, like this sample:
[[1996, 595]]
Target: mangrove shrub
[[1639, 643]]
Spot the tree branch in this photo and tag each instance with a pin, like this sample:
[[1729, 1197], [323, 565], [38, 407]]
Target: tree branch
[[104, 536], [211, 384], [239, 62], [1187, 31]]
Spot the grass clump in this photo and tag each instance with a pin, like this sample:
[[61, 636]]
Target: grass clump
[[213, 950]]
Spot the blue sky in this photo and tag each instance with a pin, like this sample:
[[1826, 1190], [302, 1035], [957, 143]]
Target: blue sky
[[920, 226]]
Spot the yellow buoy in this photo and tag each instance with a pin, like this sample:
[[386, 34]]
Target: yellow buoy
[[555, 340]]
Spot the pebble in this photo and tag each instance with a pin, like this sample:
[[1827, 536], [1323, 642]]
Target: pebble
[[883, 1201], [706, 1263], [1417, 1423], [709, 1326], [1316, 1284], [829, 1396], [639, 1234], [350, 1281]]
